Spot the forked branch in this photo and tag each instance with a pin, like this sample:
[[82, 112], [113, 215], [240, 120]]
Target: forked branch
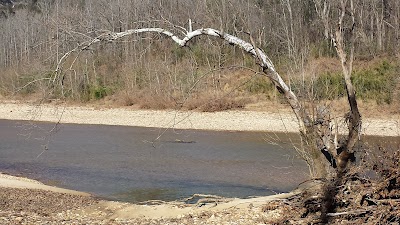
[[354, 117]]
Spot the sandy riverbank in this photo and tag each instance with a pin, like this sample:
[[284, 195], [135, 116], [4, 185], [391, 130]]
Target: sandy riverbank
[[20, 182], [274, 121], [25, 201]]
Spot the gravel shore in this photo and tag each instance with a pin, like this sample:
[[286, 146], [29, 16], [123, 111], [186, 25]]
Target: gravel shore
[[40, 206], [274, 121], [23, 206], [33, 206]]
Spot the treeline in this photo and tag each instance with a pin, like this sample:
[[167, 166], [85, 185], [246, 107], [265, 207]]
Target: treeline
[[35, 34]]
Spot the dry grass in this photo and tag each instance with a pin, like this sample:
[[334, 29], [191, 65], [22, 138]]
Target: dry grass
[[205, 102], [142, 100], [155, 102], [213, 102]]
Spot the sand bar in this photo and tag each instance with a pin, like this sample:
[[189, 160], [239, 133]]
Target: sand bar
[[226, 120], [9, 181]]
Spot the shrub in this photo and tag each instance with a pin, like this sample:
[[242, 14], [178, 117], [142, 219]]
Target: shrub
[[93, 92], [329, 86], [261, 85], [377, 83], [26, 85], [99, 92]]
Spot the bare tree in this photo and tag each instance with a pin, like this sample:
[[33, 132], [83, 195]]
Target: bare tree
[[104, 29], [116, 28], [343, 37], [319, 151]]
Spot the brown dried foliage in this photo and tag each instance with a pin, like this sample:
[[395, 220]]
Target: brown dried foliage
[[206, 102], [217, 104], [368, 193]]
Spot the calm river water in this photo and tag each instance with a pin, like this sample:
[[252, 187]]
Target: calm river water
[[126, 163]]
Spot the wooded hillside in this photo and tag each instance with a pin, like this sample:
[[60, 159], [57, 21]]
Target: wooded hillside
[[35, 34]]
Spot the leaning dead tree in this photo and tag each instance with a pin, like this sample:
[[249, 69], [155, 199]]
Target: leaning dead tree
[[324, 156]]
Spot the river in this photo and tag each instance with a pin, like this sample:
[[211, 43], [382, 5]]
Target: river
[[138, 164]]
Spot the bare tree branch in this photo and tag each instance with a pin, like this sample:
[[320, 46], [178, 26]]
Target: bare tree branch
[[262, 58]]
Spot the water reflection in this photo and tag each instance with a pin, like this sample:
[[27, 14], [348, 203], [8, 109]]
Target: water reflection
[[148, 194], [124, 163]]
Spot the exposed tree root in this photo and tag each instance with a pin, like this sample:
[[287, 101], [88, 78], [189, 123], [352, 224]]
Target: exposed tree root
[[366, 194]]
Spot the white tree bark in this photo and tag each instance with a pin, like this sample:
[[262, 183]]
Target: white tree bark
[[263, 60]]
